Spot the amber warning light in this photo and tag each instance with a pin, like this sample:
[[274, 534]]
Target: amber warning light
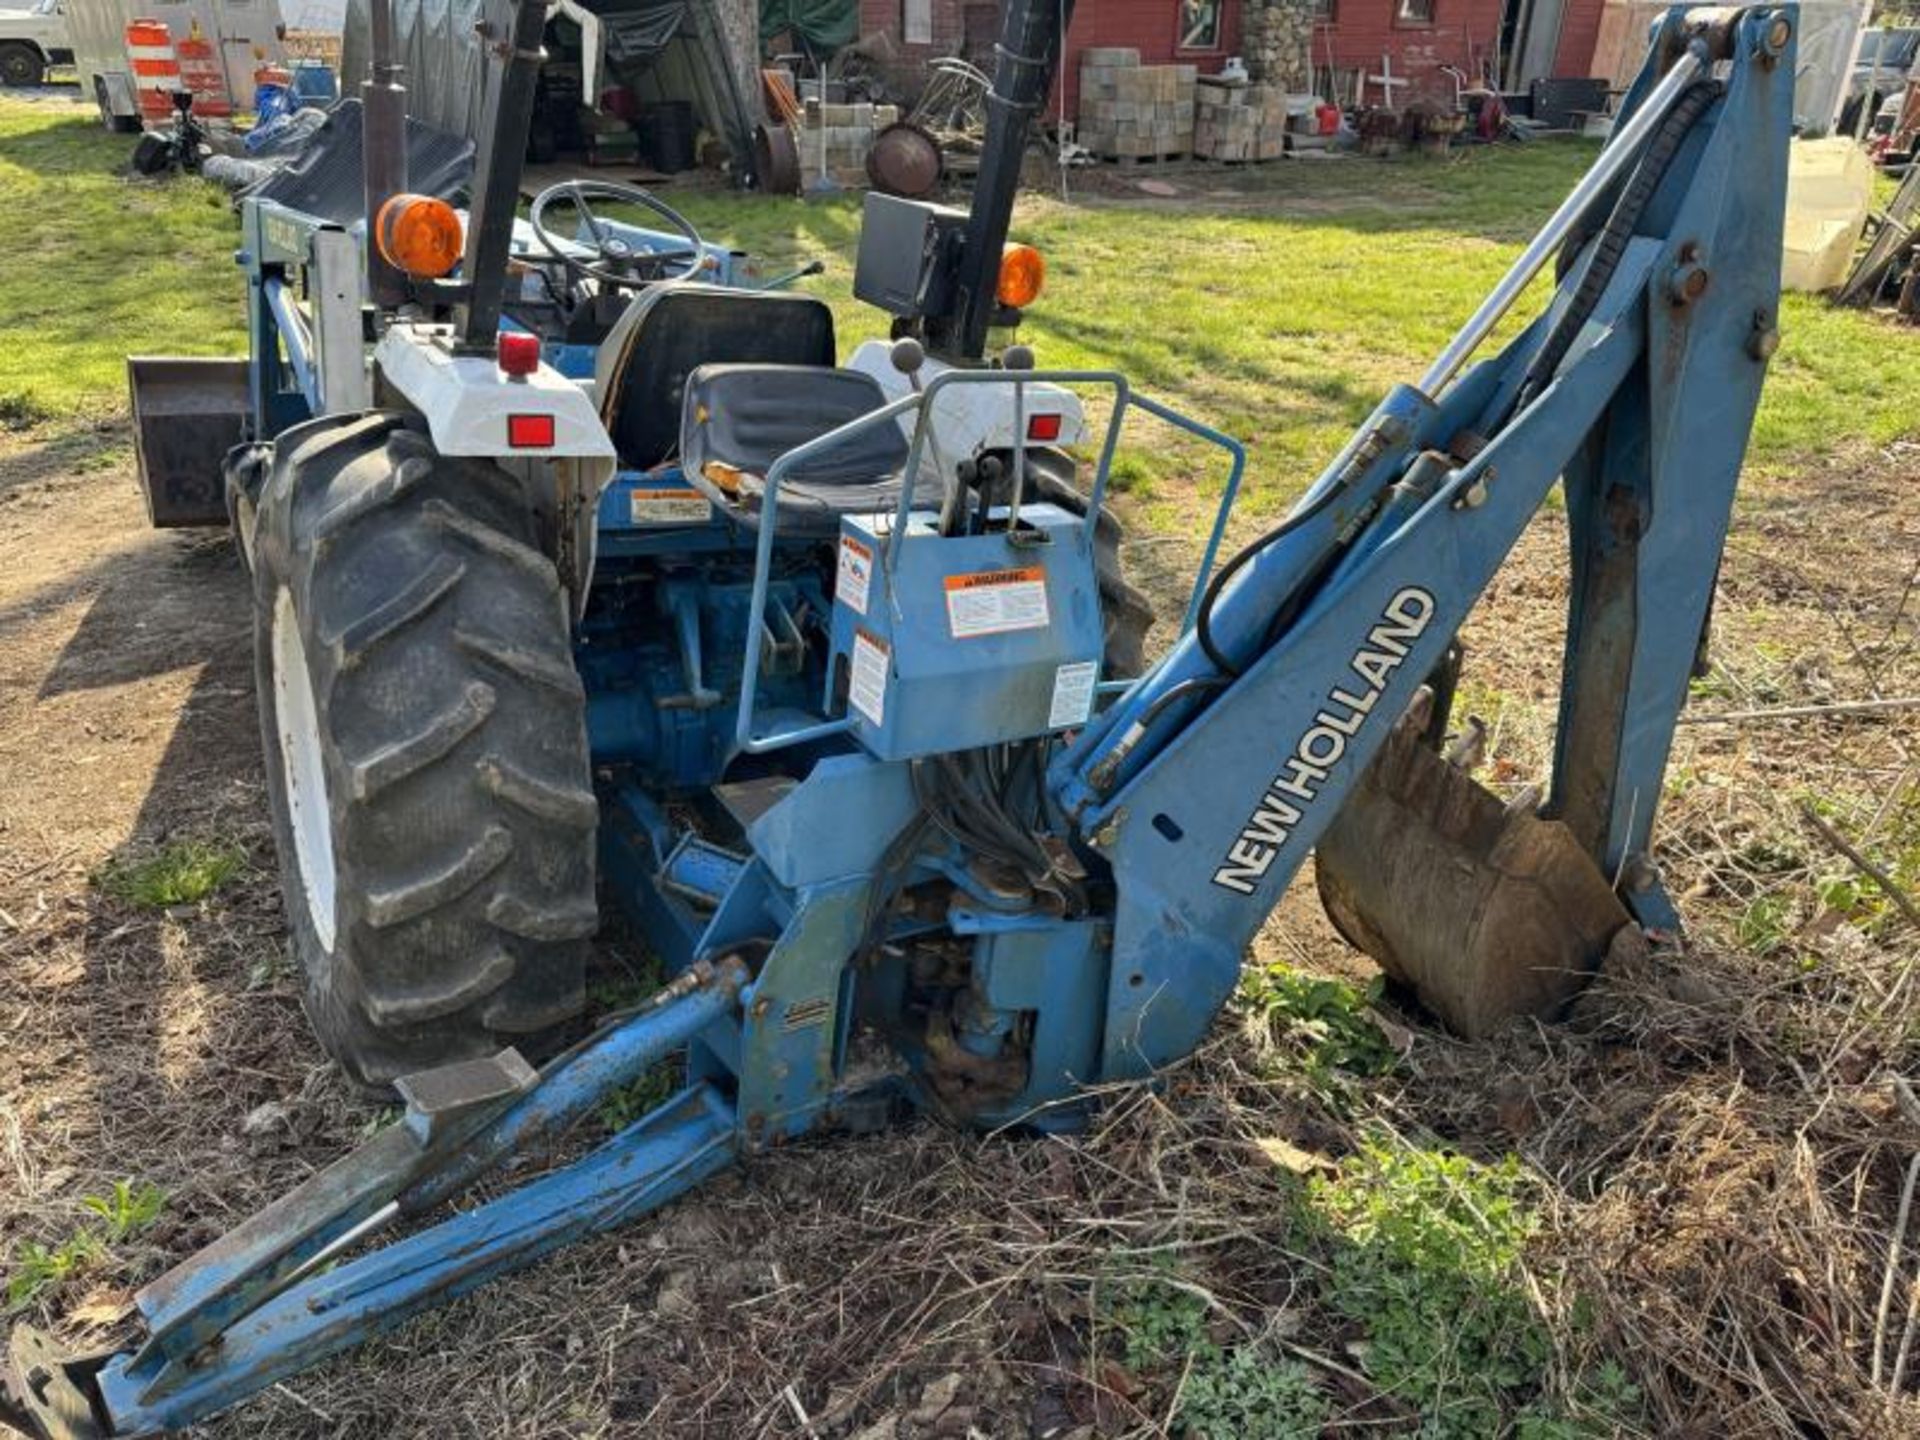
[[1022, 273], [419, 235]]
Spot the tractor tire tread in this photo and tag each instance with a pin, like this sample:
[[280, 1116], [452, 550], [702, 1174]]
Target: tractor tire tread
[[534, 921], [414, 1007], [484, 538], [573, 806], [555, 674], [413, 898], [453, 732], [424, 591], [396, 760]]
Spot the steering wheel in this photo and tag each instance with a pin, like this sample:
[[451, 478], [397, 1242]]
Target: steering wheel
[[614, 260]]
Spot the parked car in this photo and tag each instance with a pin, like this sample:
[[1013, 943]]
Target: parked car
[[33, 39], [1886, 57]]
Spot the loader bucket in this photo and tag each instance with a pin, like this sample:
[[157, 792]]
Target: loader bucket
[[187, 413], [1485, 912]]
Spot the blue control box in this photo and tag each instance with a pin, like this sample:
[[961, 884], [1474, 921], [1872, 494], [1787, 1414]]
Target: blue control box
[[949, 643]]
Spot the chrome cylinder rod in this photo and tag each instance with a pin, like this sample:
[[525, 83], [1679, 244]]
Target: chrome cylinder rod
[[1620, 152]]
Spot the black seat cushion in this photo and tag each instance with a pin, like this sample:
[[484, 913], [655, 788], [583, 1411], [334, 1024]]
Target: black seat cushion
[[670, 330], [739, 419]]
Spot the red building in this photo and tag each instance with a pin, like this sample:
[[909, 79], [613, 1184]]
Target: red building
[[1505, 42]]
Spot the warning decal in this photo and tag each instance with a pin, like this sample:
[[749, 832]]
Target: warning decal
[[993, 602], [1072, 694], [668, 507], [867, 687], [855, 574]]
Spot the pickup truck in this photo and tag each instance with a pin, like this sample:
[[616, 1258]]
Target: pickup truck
[[1886, 58], [33, 39]]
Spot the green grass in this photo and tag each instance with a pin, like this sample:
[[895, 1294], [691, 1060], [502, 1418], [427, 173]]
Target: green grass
[[1425, 1251], [97, 266], [1158, 1320], [1318, 1027], [130, 1208], [182, 872], [1278, 310], [1281, 312]]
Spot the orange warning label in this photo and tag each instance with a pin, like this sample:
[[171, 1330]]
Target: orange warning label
[[992, 602]]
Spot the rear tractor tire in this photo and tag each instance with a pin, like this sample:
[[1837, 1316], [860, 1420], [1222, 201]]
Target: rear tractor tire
[[426, 749]]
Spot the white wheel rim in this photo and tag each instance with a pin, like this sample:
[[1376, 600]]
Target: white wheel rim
[[304, 770]]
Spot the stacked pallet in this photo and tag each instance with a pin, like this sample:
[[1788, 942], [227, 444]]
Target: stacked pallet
[[1130, 111], [849, 135], [1235, 121]]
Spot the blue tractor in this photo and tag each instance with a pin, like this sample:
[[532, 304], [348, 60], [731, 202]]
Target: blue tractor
[[585, 570]]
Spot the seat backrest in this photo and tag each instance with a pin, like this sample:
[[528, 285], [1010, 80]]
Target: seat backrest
[[670, 330], [747, 416]]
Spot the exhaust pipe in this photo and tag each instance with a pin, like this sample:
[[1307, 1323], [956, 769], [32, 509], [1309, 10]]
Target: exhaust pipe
[[383, 142]]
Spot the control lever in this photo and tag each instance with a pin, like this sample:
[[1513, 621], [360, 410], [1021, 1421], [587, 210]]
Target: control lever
[[909, 357]]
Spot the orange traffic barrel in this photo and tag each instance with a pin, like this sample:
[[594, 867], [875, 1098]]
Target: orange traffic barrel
[[156, 67], [201, 72]]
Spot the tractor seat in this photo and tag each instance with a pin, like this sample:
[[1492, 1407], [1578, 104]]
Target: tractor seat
[[670, 330], [739, 419]]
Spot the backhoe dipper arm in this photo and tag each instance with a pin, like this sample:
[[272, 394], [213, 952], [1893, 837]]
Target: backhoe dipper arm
[[1207, 784]]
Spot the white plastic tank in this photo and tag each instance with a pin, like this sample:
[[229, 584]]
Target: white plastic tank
[[1829, 188]]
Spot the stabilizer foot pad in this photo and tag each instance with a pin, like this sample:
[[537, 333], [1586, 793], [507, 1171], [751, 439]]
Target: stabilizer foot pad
[[42, 1396], [438, 1097]]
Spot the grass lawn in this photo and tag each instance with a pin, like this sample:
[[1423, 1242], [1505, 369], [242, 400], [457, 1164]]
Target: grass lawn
[[97, 266], [1277, 305]]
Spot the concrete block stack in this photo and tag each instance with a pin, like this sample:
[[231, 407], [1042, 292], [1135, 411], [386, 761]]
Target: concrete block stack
[[1234, 121], [1130, 111], [849, 135]]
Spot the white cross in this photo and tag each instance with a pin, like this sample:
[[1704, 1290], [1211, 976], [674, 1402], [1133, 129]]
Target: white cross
[[1385, 80]]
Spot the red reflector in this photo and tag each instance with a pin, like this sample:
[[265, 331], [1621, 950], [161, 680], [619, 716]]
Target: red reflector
[[530, 432], [519, 352], [1043, 427]]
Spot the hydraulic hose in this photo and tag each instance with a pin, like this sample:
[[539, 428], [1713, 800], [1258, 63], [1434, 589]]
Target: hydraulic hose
[[1614, 235]]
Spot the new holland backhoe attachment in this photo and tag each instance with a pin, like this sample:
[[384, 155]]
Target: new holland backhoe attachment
[[826, 675]]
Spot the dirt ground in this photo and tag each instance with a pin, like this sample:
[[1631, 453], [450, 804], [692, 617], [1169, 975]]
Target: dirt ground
[[1725, 1138]]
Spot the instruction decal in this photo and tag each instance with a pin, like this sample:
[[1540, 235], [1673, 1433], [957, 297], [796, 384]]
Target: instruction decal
[[867, 686], [855, 574], [994, 602], [1072, 694], [1324, 742], [668, 507]]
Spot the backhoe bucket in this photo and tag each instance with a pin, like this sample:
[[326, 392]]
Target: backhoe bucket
[[1485, 911], [188, 412]]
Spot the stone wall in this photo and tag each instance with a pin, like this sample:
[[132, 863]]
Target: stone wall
[[1277, 41]]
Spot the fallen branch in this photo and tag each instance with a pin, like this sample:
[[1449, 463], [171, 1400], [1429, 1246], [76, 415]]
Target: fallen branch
[[1894, 1243], [1873, 872], [1805, 712]]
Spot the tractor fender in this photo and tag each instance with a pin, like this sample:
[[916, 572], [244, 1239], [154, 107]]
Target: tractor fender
[[970, 420], [542, 428]]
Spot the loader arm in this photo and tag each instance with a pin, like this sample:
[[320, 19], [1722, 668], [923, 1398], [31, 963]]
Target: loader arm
[[1208, 784]]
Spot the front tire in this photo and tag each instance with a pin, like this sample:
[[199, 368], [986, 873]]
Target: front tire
[[426, 749]]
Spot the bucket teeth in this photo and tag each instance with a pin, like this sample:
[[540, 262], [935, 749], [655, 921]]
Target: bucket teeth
[[1483, 909]]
